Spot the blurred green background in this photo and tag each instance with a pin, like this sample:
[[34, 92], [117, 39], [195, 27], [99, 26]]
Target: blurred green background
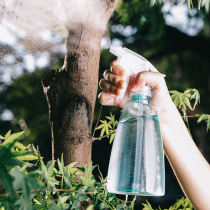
[[174, 40]]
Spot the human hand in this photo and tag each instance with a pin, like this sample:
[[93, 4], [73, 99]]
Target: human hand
[[113, 83]]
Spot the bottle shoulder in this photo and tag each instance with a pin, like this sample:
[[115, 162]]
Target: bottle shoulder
[[135, 109]]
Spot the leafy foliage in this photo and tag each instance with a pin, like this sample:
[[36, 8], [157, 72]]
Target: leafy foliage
[[12, 152], [18, 147], [182, 203], [206, 118], [45, 186], [147, 206], [7, 160], [108, 128], [182, 100], [140, 14]]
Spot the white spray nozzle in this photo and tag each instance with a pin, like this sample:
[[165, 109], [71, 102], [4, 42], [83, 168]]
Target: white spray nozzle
[[117, 50], [132, 63]]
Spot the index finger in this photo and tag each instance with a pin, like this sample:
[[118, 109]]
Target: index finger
[[117, 69]]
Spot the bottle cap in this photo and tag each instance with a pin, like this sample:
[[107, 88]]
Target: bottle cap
[[146, 91]]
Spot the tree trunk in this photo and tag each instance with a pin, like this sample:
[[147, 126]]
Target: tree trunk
[[71, 91]]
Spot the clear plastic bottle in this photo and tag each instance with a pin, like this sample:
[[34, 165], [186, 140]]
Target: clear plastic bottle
[[136, 164]]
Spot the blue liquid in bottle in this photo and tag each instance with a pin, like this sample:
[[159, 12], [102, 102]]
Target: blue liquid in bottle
[[137, 160]]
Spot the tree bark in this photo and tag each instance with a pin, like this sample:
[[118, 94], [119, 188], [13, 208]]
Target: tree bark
[[71, 91]]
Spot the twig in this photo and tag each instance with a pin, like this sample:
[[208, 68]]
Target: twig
[[97, 138], [51, 123], [97, 120]]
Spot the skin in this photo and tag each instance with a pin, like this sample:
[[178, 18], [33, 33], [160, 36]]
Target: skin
[[190, 167]]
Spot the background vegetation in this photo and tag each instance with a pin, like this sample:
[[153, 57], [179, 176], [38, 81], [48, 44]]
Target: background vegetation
[[179, 50]]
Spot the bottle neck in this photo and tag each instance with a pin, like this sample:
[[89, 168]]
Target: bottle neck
[[139, 97]]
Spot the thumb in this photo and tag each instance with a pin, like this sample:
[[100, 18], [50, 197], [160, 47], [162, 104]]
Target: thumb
[[147, 78]]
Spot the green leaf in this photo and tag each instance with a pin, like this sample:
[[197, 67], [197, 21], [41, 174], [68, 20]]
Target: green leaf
[[60, 166], [88, 178], [109, 118], [179, 203], [183, 100], [8, 134], [63, 199], [91, 207], [187, 102], [186, 204], [193, 94], [35, 150], [51, 181], [26, 182], [71, 165], [50, 167], [27, 157], [67, 181], [8, 161], [105, 127], [20, 146], [147, 206], [6, 179], [206, 118], [71, 170], [99, 127], [102, 131], [10, 138], [112, 136]]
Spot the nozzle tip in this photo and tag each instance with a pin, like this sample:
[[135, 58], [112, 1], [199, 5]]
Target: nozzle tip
[[116, 50]]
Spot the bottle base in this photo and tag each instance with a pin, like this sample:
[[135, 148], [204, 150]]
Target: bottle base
[[135, 192]]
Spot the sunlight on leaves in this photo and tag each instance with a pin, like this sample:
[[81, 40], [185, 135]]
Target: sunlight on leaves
[[206, 118], [108, 128], [183, 100]]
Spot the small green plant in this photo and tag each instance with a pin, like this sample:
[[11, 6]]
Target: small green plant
[[182, 203], [53, 185], [108, 128], [49, 186], [206, 118], [183, 100]]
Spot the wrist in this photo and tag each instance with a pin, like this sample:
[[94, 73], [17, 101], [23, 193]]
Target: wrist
[[167, 111]]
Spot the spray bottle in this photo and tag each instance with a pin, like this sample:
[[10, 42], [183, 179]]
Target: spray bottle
[[136, 164]]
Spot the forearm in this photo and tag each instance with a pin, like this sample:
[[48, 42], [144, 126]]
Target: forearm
[[189, 166]]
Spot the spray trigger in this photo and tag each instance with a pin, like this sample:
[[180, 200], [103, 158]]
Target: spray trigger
[[132, 63]]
